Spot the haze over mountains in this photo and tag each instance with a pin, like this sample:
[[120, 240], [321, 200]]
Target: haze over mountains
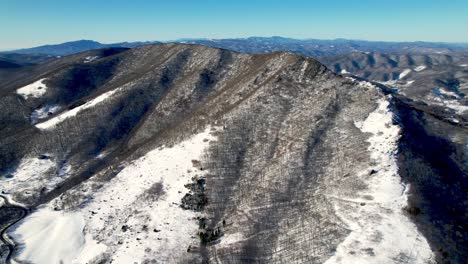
[[307, 47], [237, 150]]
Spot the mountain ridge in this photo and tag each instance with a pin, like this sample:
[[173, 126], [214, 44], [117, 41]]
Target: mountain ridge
[[70, 47], [234, 151]]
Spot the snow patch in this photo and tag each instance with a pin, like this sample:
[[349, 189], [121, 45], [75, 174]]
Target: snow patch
[[404, 73], [64, 170], [229, 239], [35, 89], [305, 64], [463, 65], [135, 227], [90, 59], [448, 93], [344, 71], [48, 236], [28, 170], [449, 103], [420, 68], [32, 174], [455, 105], [380, 231], [51, 123], [44, 112]]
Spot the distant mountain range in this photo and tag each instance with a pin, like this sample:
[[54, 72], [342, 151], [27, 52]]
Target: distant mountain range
[[306, 47], [72, 47]]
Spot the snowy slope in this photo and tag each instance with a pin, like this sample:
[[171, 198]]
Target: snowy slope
[[136, 216], [380, 231], [49, 124], [35, 89], [48, 236], [404, 73]]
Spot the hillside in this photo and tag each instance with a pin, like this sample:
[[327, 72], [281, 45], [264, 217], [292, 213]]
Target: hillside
[[180, 153]]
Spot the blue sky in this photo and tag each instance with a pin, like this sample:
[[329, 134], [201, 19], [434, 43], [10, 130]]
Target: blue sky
[[26, 23]]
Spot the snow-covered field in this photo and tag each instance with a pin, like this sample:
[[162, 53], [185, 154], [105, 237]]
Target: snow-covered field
[[380, 231], [133, 217], [420, 68], [48, 236], [57, 119], [404, 73], [35, 89], [32, 173]]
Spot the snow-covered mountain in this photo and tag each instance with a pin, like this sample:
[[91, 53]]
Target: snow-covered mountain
[[181, 153]]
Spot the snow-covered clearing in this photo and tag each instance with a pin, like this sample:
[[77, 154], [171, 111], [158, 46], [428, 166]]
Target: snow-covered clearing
[[380, 231], [404, 73], [146, 197], [73, 112], [28, 169], [48, 236], [35, 89], [420, 68], [32, 173], [90, 59], [135, 216], [44, 112], [161, 173]]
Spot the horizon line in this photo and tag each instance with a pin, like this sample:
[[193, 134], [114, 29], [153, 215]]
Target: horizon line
[[239, 38]]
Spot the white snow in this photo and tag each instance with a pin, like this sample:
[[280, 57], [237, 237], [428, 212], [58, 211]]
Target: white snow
[[43, 112], [48, 236], [123, 201], [454, 120], [35, 89], [420, 68], [231, 239], [380, 231], [344, 71], [449, 103], [463, 65], [32, 174], [305, 64], [404, 73], [73, 112], [455, 105], [448, 93], [29, 170], [90, 59], [64, 170]]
